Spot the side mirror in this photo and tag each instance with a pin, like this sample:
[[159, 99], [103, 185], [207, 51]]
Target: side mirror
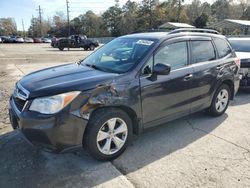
[[162, 69]]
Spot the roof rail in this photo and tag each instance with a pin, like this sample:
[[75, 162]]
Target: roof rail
[[194, 30]]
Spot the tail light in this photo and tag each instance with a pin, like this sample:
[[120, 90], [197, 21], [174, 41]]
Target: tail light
[[237, 61]]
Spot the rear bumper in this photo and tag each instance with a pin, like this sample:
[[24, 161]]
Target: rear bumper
[[56, 133]]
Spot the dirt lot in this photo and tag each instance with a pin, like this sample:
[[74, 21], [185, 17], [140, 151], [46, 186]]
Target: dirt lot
[[196, 151]]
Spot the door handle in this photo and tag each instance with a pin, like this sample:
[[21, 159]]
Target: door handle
[[219, 67], [188, 77]]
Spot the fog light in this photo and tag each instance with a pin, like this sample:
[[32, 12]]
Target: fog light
[[86, 116]]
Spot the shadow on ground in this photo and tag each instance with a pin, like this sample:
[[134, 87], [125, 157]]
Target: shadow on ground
[[242, 97], [25, 166]]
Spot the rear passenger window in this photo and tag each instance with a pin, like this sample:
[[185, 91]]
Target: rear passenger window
[[222, 47], [202, 51]]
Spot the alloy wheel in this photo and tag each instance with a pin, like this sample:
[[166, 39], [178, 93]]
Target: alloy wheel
[[222, 100], [112, 136]]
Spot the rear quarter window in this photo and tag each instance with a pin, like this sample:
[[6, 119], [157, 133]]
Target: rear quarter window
[[223, 47], [202, 51]]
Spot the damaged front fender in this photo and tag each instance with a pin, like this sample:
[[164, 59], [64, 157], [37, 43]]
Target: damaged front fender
[[112, 95]]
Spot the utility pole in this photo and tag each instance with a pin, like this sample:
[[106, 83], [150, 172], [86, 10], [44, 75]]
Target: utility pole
[[179, 9], [24, 35], [67, 5], [33, 26], [40, 19]]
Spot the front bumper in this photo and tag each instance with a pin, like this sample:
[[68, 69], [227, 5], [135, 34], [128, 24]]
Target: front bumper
[[58, 133]]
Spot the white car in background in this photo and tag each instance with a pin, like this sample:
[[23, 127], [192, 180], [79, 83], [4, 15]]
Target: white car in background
[[241, 45], [46, 40], [19, 40], [28, 40]]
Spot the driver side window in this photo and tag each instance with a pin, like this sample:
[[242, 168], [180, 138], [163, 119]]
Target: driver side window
[[148, 67], [175, 55]]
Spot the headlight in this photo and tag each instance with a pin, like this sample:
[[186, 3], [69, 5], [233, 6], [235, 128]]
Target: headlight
[[52, 104]]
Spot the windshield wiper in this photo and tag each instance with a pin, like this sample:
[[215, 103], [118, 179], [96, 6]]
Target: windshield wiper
[[94, 67], [79, 62]]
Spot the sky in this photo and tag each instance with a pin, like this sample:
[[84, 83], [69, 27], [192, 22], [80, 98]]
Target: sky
[[24, 9]]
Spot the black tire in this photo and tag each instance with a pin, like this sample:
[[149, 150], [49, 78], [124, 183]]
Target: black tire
[[61, 48], [92, 47], [96, 122], [85, 49], [212, 110]]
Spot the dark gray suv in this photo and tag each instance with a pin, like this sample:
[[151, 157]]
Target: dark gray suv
[[132, 83]]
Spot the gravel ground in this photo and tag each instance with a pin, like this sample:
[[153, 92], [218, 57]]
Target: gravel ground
[[195, 151]]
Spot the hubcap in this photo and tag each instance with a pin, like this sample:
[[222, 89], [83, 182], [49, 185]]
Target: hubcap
[[222, 100], [112, 136]]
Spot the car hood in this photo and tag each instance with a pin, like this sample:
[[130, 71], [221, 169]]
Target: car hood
[[64, 78], [243, 55]]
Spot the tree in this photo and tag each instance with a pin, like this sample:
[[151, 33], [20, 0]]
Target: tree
[[194, 10], [246, 14], [201, 21], [112, 20], [91, 25], [36, 28], [220, 9], [130, 17], [8, 26], [147, 14]]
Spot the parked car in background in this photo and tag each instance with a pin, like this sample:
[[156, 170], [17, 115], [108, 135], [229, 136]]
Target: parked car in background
[[242, 49], [37, 40], [28, 40], [16, 39], [19, 40], [5, 39], [46, 40], [77, 41], [101, 101]]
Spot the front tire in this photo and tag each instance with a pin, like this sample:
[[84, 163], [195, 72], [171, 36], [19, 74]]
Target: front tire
[[108, 134], [220, 101], [61, 48]]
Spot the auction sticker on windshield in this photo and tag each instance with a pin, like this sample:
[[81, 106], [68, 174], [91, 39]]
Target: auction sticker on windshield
[[145, 42]]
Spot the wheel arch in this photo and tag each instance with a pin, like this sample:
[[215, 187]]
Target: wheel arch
[[129, 111], [230, 84]]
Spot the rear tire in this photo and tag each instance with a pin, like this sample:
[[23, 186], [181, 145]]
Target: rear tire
[[92, 47], [61, 48], [108, 134], [220, 101]]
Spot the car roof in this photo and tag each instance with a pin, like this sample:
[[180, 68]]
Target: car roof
[[167, 35]]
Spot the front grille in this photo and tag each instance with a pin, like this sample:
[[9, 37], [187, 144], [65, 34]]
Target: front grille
[[20, 96], [19, 103]]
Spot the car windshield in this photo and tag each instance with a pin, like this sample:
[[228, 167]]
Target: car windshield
[[119, 55], [240, 45]]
